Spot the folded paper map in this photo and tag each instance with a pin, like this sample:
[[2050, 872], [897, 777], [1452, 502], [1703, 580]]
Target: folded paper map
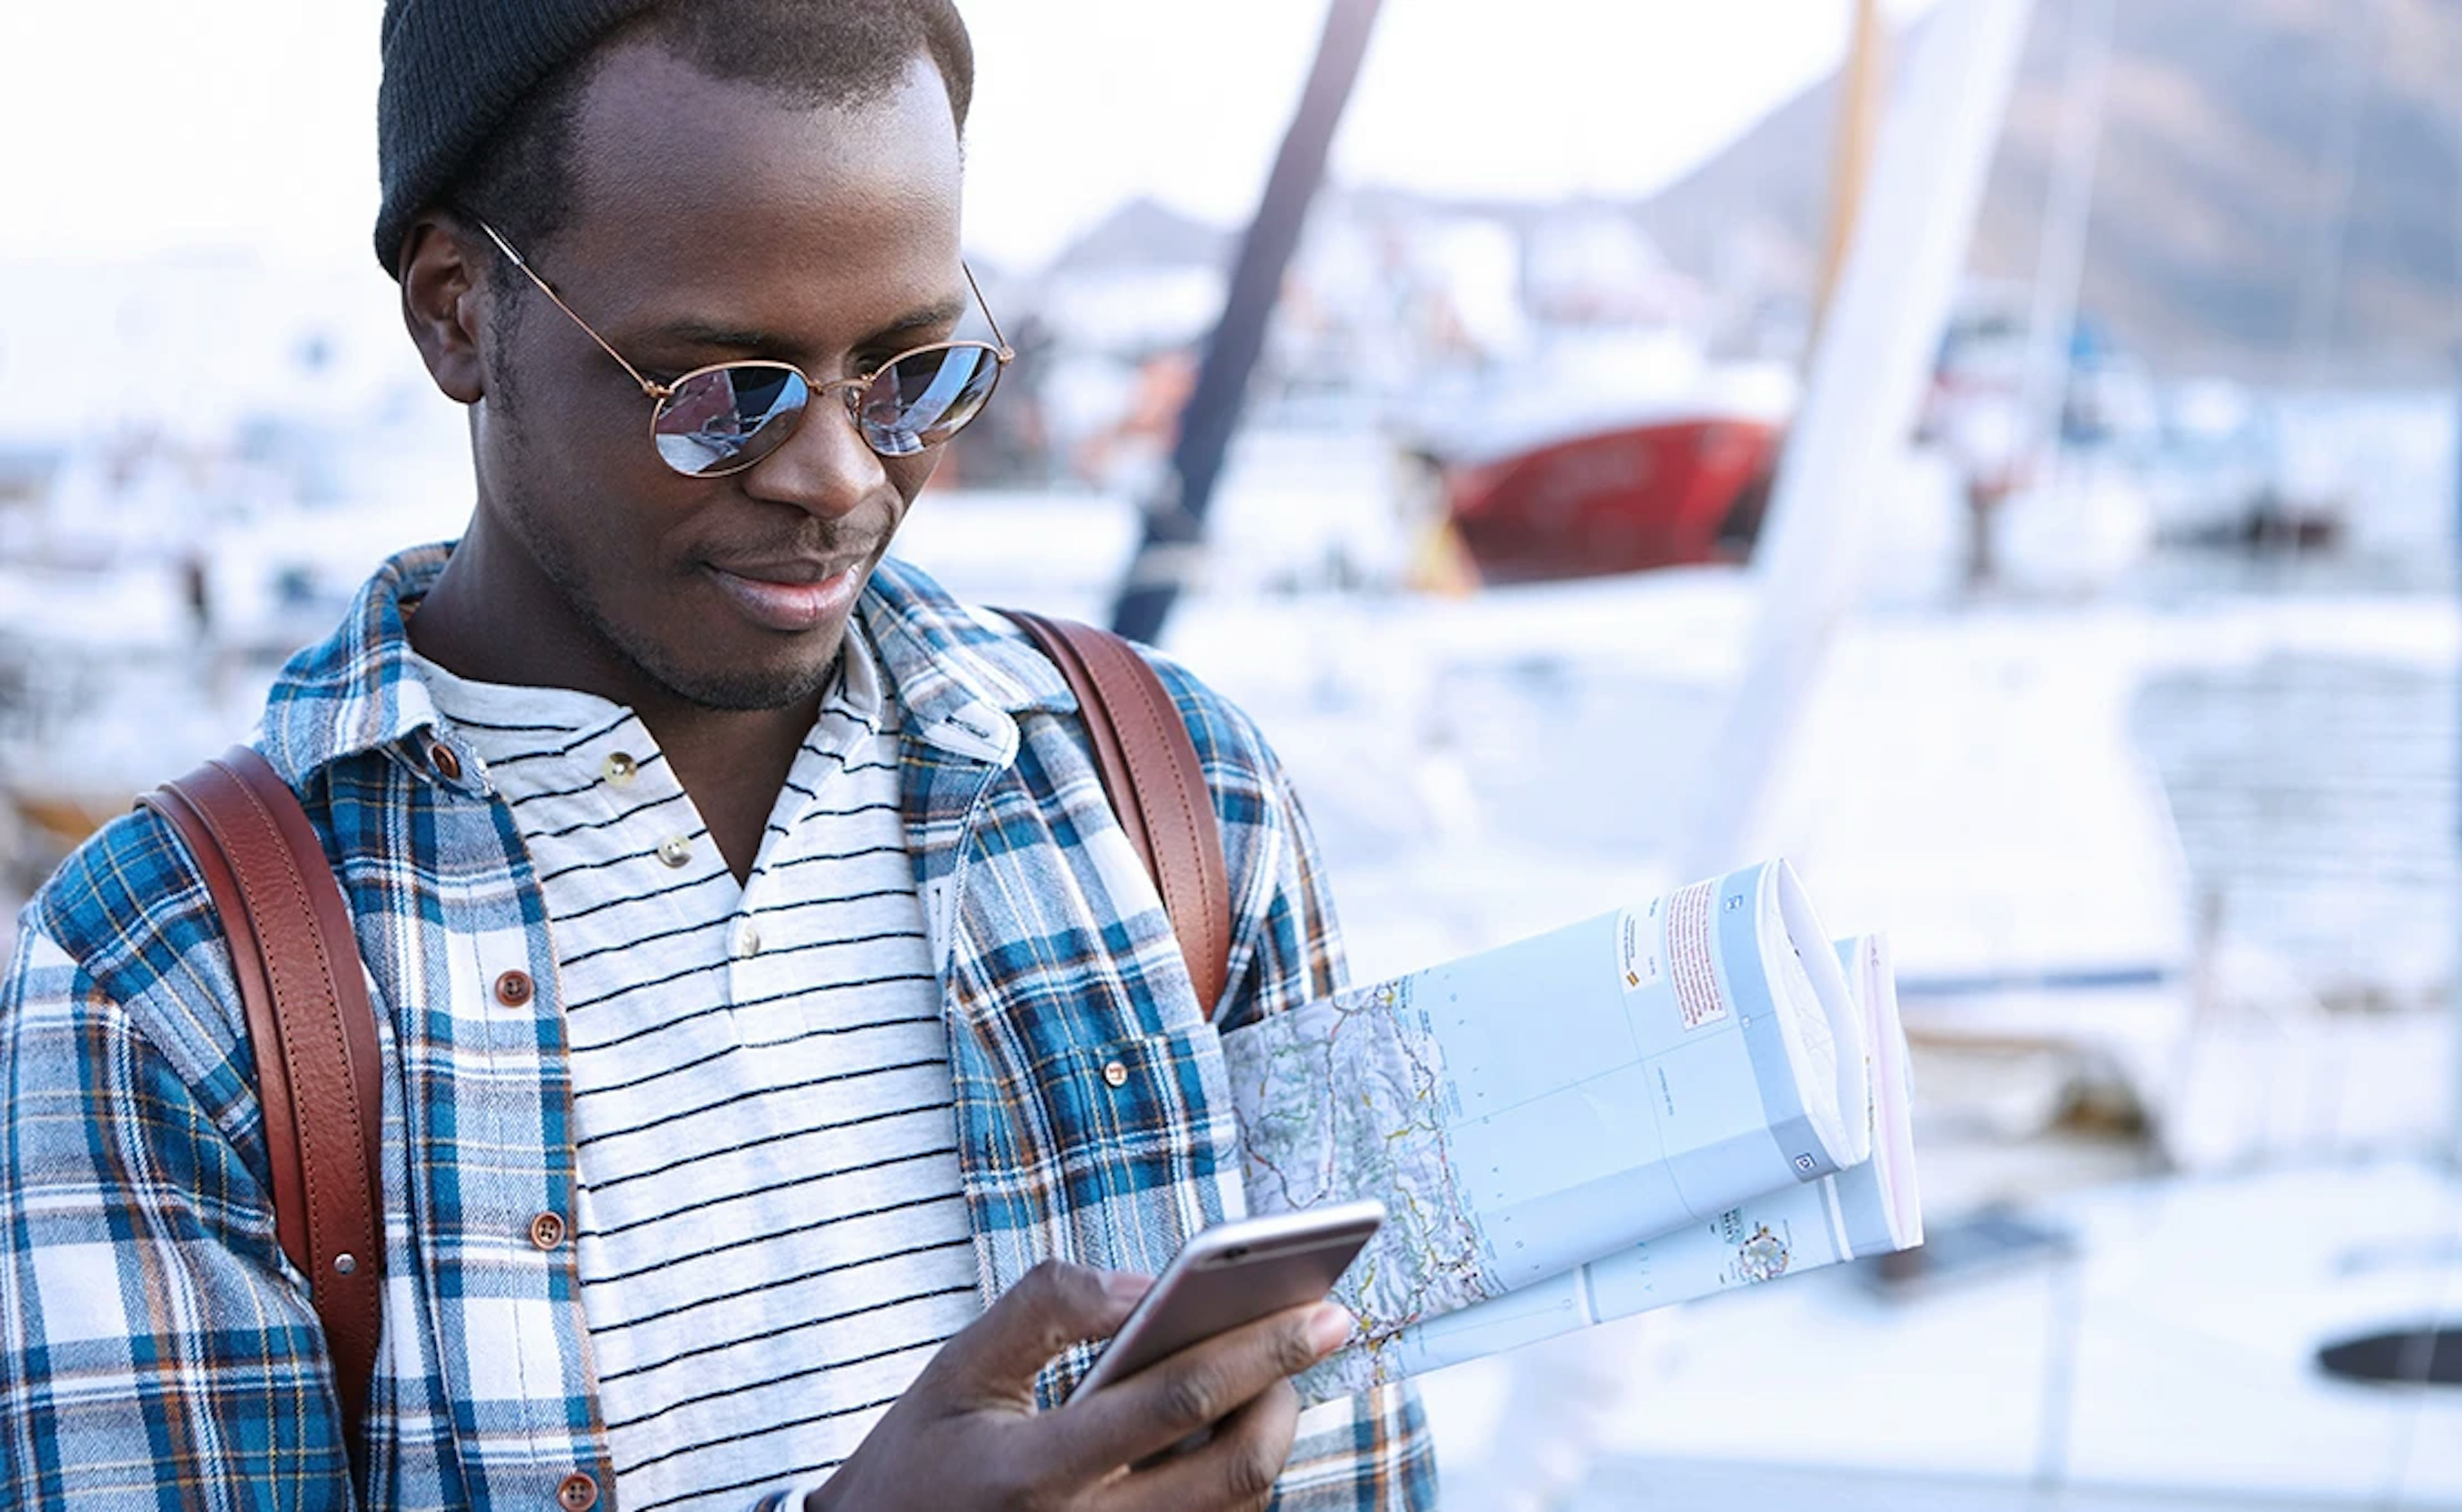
[[1869, 1209], [1653, 1105]]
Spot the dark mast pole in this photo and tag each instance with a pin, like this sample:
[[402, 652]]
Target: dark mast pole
[[1174, 520]]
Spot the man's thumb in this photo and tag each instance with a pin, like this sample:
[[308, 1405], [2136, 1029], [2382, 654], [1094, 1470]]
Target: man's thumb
[[1053, 1307]]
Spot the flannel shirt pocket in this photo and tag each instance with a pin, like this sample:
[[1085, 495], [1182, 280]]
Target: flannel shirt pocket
[[1138, 1113]]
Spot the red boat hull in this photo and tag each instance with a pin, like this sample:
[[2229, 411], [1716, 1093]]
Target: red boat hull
[[1662, 494]]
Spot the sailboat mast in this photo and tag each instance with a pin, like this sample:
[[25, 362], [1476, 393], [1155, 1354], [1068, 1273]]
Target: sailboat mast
[[1850, 439], [2059, 258], [1175, 521]]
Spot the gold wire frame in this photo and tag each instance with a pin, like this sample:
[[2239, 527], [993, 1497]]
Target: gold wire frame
[[661, 393]]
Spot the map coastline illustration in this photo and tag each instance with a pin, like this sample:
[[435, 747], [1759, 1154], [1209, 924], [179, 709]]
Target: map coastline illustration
[[1375, 1046]]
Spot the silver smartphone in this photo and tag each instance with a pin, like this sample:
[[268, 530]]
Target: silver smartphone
[[1235, 1273]]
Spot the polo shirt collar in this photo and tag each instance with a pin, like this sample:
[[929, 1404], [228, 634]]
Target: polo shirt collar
[[961, 681]]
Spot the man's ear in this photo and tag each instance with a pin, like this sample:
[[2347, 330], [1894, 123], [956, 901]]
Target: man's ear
[[445, 304]]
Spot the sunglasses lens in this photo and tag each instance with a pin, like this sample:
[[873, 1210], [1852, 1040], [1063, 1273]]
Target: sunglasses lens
[[925, 397], [729, 418]]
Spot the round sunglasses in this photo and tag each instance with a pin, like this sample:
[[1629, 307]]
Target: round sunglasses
[[727, 416]]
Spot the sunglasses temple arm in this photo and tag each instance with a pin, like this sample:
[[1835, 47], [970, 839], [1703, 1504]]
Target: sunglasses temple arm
[[653, 390], [1005, 354]]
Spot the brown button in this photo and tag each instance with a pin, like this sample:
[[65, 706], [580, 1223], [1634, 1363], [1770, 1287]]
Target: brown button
[[547, 1230], [447, 764], [577, 1493], [513, 988], [1117, 1074]]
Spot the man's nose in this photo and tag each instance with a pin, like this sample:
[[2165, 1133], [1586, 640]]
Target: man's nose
[[825, 467]]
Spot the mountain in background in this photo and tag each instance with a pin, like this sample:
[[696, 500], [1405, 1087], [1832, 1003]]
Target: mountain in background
[[2278, 194]]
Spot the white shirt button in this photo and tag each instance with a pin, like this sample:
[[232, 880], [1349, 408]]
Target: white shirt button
[[618, 768], [675, 850], [747, 938]]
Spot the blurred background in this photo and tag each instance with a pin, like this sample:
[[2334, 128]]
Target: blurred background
[[2003, 457]]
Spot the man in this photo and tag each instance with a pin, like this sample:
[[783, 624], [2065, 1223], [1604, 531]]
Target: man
[[788, 1066]]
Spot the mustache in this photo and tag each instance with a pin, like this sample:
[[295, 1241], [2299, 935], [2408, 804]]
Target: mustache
[[811, 540]]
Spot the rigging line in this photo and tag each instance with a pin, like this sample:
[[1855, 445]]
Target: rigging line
[[2316, 305]]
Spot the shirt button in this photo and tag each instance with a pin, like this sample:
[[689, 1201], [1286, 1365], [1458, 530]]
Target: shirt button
[[676, 851], [1115, 1074], [577, 1493], [747, 938], [618, 768], [447, 764], [547, 1230], [513, 988]]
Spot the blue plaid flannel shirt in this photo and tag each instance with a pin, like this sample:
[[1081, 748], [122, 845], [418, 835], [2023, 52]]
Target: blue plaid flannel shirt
[[158, 1349]]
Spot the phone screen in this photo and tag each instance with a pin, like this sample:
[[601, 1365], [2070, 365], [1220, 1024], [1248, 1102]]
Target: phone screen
[[1235, 1273]]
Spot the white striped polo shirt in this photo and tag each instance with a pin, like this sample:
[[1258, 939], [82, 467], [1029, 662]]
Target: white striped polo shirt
[[771, 1234]]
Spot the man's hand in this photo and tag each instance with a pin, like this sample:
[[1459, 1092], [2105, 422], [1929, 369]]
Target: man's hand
[[966, 1434]]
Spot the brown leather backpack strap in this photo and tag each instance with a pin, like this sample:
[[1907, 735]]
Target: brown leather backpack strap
[[314, 1036], [1157, 784]]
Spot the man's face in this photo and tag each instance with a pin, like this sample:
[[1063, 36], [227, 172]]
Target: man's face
[[713, 223]]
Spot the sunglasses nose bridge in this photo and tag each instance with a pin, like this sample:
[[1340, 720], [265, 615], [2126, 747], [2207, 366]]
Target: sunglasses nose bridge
[[852, 449], [851, 392]]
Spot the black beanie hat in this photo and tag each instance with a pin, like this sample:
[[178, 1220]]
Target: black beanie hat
[[453, 71]]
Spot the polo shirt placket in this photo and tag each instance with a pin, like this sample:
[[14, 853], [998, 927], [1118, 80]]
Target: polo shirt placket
[[770, 1234]]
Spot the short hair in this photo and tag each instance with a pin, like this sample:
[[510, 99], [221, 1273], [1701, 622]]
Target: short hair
[[811, 53]]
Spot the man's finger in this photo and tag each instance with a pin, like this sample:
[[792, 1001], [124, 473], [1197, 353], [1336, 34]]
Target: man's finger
[[1162, 1404], [1236, 1468], [1053, 1307]]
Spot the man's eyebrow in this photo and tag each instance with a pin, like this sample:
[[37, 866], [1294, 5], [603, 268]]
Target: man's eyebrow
[[689, 331], [932, 318], [708, 334]]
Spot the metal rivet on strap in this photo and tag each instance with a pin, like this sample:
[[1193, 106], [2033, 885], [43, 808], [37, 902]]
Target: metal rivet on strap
[[345, 1263]]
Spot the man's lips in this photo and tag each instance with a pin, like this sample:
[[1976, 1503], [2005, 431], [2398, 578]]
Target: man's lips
[[790, 596]]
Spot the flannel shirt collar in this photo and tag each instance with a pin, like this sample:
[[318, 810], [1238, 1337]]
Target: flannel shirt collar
[[961, 682]]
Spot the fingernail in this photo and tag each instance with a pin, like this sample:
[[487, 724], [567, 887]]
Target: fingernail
[[1328, 1328], [1126, 1285]]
